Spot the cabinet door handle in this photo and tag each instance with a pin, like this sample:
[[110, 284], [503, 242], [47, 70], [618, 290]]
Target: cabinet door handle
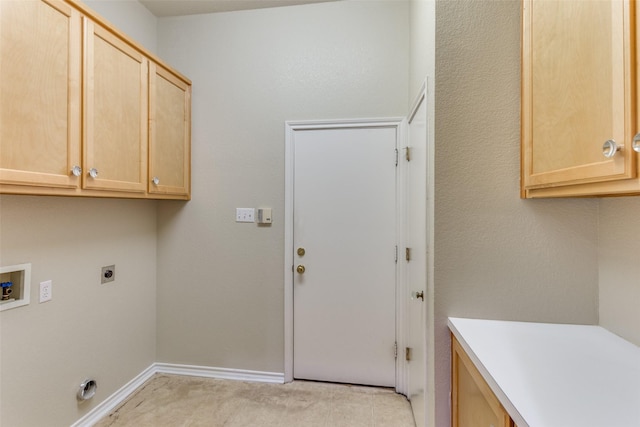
[[93, 173], [610, 148], [155, 180], [76, 170], [636, 143]]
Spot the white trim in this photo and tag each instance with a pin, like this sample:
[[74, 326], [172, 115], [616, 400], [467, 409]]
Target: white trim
[[110, 403], [290, 128], [220, 373], [417, 102]]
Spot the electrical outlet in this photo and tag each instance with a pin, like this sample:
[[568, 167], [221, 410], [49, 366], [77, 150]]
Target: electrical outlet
[[45, 291], [108, 274]]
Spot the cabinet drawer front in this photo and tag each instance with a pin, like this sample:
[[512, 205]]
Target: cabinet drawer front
[[577, 70], [40, 91]]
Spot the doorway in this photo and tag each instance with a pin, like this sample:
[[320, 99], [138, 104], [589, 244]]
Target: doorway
[[341, 237]]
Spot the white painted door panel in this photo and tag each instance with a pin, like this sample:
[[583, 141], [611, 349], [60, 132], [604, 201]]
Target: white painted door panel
[[345, 219], [416, 268]]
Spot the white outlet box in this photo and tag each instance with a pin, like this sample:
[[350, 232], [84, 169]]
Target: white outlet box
[[245, 214], [45, 291]]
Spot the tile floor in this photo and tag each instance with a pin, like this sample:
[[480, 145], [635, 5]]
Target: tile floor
[[171, 401]]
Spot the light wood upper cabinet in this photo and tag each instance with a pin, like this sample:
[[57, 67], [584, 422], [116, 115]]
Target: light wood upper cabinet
[[578, 91], [82, 113], [169, 133], [40, 52], [115, 121]]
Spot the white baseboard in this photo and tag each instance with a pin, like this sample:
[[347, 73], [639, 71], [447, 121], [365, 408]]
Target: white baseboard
[[111, 402], [221, 373]]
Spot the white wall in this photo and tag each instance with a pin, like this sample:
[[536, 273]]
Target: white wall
[[619, 246], [106, 332], [220, 284], [496, 256]]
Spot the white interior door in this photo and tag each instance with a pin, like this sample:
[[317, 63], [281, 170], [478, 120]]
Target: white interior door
[[344, 218], [416, 267]]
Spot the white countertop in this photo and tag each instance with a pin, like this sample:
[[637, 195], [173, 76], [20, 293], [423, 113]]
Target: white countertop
[[552, 375]]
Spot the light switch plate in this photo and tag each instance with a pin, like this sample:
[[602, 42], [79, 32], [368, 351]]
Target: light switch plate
[[245, 214]]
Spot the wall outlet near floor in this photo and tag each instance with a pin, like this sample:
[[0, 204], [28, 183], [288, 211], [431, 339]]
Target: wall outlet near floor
[[108, 274], [45, 291]]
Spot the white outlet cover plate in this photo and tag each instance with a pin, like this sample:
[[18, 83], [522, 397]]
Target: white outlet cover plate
[[245, 214], [45, 291]]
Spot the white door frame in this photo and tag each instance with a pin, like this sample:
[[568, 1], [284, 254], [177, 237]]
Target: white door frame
[[290, 128]]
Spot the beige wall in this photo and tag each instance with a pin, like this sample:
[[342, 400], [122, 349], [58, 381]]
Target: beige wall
[[619, 246], [496, 256], [220, 284], [106, 332], [88, 330]]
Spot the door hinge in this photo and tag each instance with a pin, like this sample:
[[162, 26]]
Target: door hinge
[[395, 350], [396, 157], [407, 353], [396, 254], [408, 154], [407, 254]]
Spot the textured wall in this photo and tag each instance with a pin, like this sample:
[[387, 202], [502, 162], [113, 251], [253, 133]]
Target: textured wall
[[496, 256], [619, 245], [220, 284], [106, 332]]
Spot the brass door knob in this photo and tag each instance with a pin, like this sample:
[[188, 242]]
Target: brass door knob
[[300, 269]]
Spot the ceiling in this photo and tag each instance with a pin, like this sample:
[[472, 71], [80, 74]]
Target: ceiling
[[162, 8]]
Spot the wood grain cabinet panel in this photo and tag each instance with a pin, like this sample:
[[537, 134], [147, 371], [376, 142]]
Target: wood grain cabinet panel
[[40, 52], [116, 108], [473, 404], [169, 133], [578, 91]]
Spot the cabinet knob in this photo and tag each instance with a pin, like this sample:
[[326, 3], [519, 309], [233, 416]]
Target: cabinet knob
[[610, 148], [155, 180], [76, 170], [636, 143], [93, 173]]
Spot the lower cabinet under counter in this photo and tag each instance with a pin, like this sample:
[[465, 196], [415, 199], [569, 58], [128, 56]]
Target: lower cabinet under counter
[[473, 404]]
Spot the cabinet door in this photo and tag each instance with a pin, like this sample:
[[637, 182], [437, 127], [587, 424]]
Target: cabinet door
[[40, 50], [116, 111], [577, 93], [473, 403], [169, 133]]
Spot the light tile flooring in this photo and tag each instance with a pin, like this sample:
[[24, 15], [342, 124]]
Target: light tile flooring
[[171, 401]]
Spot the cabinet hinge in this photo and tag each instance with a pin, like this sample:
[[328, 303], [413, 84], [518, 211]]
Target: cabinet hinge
[[395, 350], [407, 254], [396, 157], [396, 254], [408, 154]]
